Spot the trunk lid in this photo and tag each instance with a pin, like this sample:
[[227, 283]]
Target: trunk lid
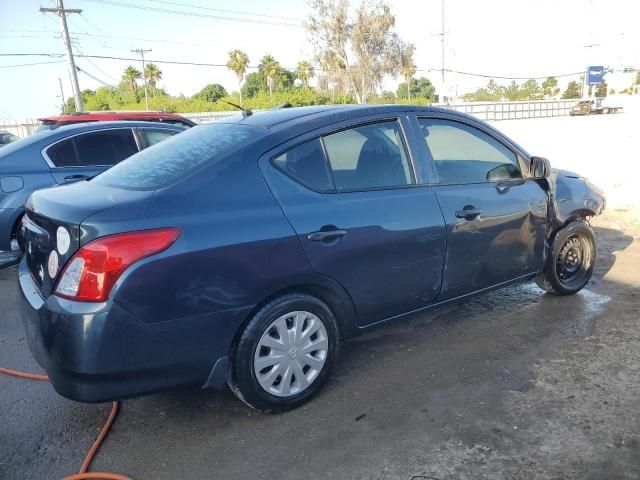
[[51, 230]]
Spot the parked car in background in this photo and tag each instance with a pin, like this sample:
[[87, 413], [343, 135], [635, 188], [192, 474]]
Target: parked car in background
[[49, 123], [242, 252], [6, 138], [590, 107], [66, 154]]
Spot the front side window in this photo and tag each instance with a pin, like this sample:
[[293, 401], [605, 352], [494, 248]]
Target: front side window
[[306, 164], [464, 154], [370, 156]]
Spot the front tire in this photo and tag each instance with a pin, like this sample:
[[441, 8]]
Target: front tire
[[284, 354], [571, 260]]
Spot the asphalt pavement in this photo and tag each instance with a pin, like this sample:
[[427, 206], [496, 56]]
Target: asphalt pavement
[[513, 384]]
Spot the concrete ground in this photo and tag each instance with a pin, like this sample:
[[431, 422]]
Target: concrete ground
[[514, 384]]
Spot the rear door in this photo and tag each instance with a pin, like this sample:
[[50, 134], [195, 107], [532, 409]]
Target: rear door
[[496, 215], [88, 154], [361, 216]]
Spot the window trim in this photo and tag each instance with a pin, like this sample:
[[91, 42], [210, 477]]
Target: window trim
[[519, 157], [398, 119], [45, 156]]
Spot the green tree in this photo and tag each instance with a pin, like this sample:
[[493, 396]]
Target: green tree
[[637, 82], [512, 92], [131, 75], [361, 48], [153, 75], [550, 88], [211, 93], [238, 63], [305, 72], [573, 91], [254, 84], [420, 88], [530, 90], [407, 64], [601, 89], [269, 67]]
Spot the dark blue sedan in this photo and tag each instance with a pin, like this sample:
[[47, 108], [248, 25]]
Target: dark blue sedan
[[242, 252], [66, 154]]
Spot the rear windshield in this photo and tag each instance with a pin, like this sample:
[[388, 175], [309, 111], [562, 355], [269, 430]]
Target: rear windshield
[[178, 157]]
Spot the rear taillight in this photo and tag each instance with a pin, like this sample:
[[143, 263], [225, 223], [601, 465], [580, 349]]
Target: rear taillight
[[91, 273]]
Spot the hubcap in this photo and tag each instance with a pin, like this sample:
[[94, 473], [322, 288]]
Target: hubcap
[[291, 353]]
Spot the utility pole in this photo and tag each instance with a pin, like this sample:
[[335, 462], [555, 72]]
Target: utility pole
[[62, 13], [141, 52], [443, 81], [62, 101]]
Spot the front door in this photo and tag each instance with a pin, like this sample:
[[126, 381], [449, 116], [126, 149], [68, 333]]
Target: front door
[[495, 215], [352, 198]]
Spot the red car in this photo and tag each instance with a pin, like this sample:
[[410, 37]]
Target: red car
[[49, 123]]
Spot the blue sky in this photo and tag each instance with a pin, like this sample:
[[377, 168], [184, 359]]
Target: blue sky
[[499, 37]]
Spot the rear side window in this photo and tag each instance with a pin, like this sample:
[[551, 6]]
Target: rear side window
[[370, 156], [464, 154], [63, 154], [306, 164], [106, 147], [155, 136], [178, 157]]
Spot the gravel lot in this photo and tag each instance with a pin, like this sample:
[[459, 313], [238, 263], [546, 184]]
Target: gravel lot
[[514, 384]]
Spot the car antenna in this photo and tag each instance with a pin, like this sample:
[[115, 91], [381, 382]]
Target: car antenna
[[281, 106], [245, 111]]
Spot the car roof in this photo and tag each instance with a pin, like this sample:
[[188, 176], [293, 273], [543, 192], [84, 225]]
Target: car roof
[[270, 119], [106, 116]]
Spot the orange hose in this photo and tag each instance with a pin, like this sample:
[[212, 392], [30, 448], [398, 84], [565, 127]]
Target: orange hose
[[30, 376], [82, 474]]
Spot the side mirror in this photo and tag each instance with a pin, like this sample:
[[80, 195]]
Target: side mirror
[[540, 167]]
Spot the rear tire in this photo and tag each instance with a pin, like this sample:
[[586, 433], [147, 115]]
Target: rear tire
[[284, 354], [571, 260]]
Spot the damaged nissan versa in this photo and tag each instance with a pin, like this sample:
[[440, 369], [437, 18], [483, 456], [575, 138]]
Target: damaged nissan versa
[[244, 251]]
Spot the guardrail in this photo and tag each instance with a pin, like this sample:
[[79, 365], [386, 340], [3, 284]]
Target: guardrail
[[482, 110], [515, 110]]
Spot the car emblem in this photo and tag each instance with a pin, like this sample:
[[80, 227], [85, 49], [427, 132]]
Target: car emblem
[[52, 264]]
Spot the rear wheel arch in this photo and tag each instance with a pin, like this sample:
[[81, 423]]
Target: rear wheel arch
[[340, 305]]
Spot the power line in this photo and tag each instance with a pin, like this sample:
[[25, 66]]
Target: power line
[[195, 14], [203, 64], [237, 12], [31, 64], [94, 77]]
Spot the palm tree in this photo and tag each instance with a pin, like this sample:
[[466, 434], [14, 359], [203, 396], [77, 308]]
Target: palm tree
[[130, 75], [408, 65], [153, 74], [304, 72], [269, 67], [238, 63]]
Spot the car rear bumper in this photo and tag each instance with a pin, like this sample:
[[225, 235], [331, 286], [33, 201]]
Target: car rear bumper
[[96, 352]]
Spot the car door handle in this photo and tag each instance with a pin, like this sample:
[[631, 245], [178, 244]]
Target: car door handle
[[469, 212], [327, 236], [75, 178]]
